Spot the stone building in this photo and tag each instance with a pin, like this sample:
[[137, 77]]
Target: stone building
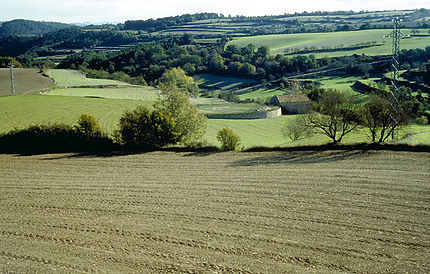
[[292, 103]]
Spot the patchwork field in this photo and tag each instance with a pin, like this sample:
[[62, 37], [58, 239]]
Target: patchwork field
[[21, 111], [278, 43], [290, 212], [26, 81]]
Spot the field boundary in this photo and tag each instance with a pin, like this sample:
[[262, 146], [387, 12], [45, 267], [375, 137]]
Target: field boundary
[[249, 115], [118, 151]]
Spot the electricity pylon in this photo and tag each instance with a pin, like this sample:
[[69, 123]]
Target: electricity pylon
[[395, 68]]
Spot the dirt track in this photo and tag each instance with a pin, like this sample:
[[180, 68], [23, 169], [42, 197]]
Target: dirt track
[[342, 211]]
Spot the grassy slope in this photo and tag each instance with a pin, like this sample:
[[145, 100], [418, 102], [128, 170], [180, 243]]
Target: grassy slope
[[221, 82], [70, 78], [20, 111], [261, 94], [159, 212], [132, 93], [278, 43]]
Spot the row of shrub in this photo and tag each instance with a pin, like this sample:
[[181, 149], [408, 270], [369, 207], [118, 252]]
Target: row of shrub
[[141, 129], [57, 137]]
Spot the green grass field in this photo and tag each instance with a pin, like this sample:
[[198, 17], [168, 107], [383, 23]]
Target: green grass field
[[342, 83], [261, 94], [73, 78], [131, 93], [221, 82], [186, 212], [278, 43], [21, 111]]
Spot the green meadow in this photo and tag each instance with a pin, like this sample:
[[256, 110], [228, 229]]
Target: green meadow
[[65, 105], [23, 110], [279, 42], [149, 94], [223, 83], [73, 78]]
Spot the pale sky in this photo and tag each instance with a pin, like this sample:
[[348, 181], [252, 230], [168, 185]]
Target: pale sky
[[75, 11]]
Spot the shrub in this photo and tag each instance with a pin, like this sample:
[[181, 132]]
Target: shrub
[[89, 126], [422, 120], [229, 140], [143, 127], [46, 138]]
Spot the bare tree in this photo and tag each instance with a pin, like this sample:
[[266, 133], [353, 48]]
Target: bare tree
[[337, 115], [381, 119]]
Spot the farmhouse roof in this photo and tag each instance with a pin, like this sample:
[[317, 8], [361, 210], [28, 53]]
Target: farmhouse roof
[[292, 98]]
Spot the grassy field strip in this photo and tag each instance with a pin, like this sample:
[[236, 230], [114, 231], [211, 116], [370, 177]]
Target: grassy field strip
[[72, 78], [221, 82], [130, 93], [229, 212], [21, 111], [278, 43], [261, 94]]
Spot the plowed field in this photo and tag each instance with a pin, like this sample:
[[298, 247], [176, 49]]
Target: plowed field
[[294, 212], [26, 81]]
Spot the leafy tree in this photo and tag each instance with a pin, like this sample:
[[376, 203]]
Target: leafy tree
[[89, 126], [229, 140], [175, 100], [147, 128], [337, 115], [5, 61], [177, 77]]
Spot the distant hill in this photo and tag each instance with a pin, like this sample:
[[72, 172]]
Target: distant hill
[[29, 27]]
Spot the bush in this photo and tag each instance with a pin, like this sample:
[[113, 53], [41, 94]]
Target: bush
[[47, 138], [229, 140], [89, 126], [422, 120], [146, 128]]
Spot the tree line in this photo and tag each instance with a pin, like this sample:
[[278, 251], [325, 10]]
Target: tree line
[[150, 60]]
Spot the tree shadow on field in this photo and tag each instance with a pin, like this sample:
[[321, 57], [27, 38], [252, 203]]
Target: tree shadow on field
[[109, 154], [302, 157]]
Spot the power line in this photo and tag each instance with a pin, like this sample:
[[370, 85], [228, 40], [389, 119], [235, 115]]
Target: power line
[[12, 79]]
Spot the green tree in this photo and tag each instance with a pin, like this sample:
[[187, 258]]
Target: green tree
[[176, 77], [147, 128], [5, 61], [229, 140], [189, 122], [89, 126]]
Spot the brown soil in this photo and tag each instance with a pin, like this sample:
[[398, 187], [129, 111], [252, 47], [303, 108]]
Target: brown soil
[[272, 212], [26, 81]]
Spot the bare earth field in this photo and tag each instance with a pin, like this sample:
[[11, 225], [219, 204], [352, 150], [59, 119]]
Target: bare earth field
[[295, 212], [26, 81]]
